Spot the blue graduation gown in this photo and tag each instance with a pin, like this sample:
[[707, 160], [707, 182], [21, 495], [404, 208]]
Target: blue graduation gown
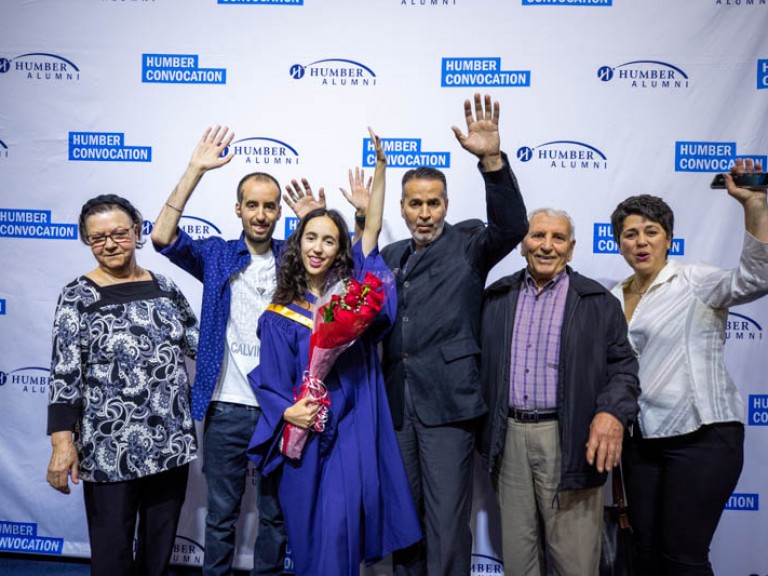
[[347, 499]]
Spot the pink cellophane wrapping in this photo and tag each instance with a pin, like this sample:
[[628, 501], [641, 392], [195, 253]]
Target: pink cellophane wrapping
[[338, 334]]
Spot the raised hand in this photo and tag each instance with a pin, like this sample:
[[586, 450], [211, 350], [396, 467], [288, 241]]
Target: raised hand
[[375, 211], [207, 154], [752, 201], [381, 156], [360, 191], [301, 200], [744, 194], [482, 138]]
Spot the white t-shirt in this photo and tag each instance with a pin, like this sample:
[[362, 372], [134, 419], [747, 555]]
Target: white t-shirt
[[251, 292]]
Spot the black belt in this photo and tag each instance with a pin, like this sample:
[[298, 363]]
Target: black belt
[[532, 415]]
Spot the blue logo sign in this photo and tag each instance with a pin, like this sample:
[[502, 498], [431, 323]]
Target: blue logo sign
[[262, 2], [762, 74], [33, 379], [709, 156], [187, 551], [758, 410], [427, 2], [105, 147], [604, 243], [22, 537], [33, 224], [567, 2], [335, 72], [197, 228], [568, 154], [291, 223], [739, 327], [483, 564], [262, 150], [749, 502], [645, 74], [740, 3], [404, 153], [41, 66], [178, 69], [463, 72], [2, 306]]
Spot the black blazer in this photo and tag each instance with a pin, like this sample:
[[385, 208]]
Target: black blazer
[[434, 343]]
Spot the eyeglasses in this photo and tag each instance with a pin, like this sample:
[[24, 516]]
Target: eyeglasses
[[119, 236]]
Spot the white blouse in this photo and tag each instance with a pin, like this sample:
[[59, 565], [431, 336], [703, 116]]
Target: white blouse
[[678, 334]]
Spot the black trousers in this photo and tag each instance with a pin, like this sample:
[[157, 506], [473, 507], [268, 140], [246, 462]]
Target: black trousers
[[112, 509], [677, 488], [438, 462]]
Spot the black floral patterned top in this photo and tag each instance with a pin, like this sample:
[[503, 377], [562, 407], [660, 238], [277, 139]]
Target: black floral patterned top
[[119, 378]]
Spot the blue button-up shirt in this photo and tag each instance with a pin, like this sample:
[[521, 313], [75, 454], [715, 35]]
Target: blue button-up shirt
[[213, 261]]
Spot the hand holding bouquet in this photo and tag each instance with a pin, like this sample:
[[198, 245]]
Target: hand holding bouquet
[[341, 316]]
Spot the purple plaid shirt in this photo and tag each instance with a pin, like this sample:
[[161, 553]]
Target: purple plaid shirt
[[536, 344]]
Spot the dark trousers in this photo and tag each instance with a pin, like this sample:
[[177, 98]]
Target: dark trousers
[[227, 432], [677, 488], [438, 462], [112, 509]]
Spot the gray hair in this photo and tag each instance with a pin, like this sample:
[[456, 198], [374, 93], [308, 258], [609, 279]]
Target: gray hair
[[554, 213]]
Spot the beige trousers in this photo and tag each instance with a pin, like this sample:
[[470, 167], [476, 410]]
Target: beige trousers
[[570, 522]]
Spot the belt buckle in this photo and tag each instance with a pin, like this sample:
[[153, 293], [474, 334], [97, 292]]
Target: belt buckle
[[533, 415]]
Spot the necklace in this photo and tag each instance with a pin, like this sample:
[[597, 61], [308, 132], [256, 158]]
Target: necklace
[[635, 291]]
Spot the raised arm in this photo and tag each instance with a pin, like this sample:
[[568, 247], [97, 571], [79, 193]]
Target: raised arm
[[753, 201], [206, 156], [507, 222], [482, 138], [375, 212]]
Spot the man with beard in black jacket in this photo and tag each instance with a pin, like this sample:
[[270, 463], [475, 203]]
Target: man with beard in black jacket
[[431, 356]]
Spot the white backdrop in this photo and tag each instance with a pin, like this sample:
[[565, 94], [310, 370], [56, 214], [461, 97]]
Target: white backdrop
[[600, 99]]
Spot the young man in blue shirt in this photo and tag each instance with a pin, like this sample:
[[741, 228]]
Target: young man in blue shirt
[[238, 279]]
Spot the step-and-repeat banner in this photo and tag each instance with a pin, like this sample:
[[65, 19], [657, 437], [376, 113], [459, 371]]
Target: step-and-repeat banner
[[600, 99]]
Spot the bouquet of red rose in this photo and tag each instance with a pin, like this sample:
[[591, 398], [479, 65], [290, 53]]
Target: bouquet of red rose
[[341, 316]]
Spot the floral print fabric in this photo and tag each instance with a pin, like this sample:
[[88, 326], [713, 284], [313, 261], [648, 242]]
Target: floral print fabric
[[119, 379]]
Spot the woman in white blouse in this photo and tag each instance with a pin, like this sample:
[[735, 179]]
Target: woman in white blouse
[[686, 452]]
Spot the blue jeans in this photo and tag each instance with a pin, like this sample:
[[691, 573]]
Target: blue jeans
[[227, 431]]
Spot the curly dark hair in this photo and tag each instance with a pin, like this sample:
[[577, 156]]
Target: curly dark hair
[[107, 203], [649, 207], [292, 276]]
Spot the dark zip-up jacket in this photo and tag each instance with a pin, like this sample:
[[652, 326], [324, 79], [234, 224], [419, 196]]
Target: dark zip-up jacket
[[597, 371]]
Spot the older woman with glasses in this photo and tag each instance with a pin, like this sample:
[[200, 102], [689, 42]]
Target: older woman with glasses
[[118, 412], [686, 451]]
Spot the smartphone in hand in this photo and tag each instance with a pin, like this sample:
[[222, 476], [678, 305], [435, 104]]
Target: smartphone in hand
[[751, 180]]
